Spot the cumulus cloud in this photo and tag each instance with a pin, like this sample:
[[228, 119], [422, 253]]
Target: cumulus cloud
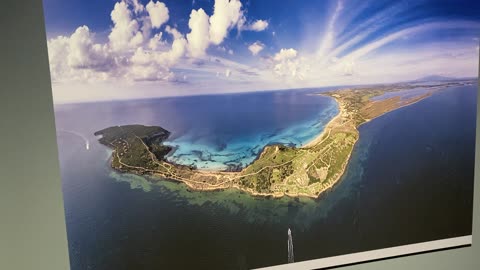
[[174, 32], [288, 65], [198, 38], [285, 54], [158, 13], [83, 53], [58, 51], [155, 65], [144, 67], [256, 47], [176, 52], [146, 27], [131, 53], [226, 15], [136, 50], [125, 34], [78, 56], [258, 25], [141, 57], [207, 30], [156, 42]]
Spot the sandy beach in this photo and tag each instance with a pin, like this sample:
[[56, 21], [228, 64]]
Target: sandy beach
[[328, 127]]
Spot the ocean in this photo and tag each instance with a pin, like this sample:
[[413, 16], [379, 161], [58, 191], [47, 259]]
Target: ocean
[[410, 179]]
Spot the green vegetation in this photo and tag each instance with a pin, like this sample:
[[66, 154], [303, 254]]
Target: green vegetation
[[134, 145], [279, 170]]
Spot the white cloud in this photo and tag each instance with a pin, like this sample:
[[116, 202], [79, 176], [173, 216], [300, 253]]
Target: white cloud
[[155, 65], [382, 41], [141, 57], [226, 15], [198, 38], [289, 65], [258, 25], [156, 42], [285, 54], [83, 53], [78, 57], [58, 50], [174, 32], [133, 53], [289, 70], [158, 12], [144, 67], [256, 47], [146, 27], [348, 68], [177, 51], [125, 34], [328, 38], [207, 30], [136, 40]]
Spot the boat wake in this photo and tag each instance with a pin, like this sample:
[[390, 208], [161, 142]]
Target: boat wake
[[87, 142], [290, 247]]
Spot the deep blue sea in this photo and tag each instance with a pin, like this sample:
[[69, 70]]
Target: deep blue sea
[[410, 180]]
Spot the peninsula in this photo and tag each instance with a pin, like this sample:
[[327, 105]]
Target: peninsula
[[279, 170]]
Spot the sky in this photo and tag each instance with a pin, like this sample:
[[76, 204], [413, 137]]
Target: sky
[[132, 49]]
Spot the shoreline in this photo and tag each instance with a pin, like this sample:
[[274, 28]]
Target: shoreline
[[318, 138], [278, 170], [223, 186], [315, 141], [308, 144]]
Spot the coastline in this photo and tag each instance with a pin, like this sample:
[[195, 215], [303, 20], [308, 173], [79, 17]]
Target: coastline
[[318, 140], [279, 170], [315, 141], [319, 137]]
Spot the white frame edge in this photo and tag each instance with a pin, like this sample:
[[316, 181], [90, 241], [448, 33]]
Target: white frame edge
[[342, 260]]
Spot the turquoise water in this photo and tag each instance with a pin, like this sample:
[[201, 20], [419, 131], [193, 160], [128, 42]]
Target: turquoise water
[[240, 150]]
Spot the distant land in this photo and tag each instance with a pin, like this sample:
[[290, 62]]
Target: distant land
[[439, 78], [279, 170]]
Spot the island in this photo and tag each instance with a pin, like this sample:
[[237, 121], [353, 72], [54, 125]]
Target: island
[[279, 170]]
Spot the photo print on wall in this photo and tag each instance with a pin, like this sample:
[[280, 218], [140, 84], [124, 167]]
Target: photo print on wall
[[241, 134]]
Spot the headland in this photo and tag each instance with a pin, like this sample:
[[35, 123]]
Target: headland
[[278, 170]]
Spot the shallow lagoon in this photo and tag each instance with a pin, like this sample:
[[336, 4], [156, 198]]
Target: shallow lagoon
[[231, 130]]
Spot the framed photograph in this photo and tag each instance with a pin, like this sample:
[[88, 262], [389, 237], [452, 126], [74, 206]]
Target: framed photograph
[[241, 134]]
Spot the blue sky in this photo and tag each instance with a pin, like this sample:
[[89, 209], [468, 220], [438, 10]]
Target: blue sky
[[101, 50]]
